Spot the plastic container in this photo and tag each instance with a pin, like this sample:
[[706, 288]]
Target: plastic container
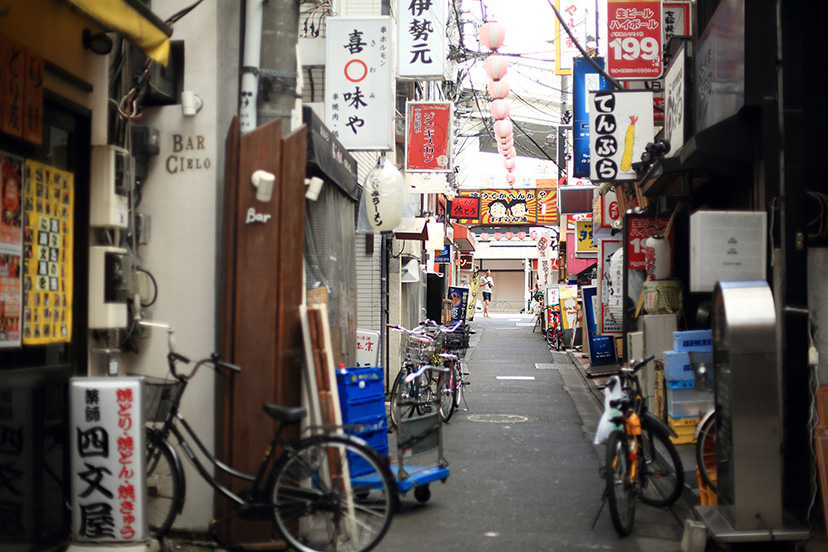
[[707, 496], [693, 340], [685, 429], [677, 366], [357, 383], [683, 403]]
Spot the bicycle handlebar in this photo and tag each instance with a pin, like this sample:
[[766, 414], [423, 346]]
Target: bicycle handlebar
[[425, 367]]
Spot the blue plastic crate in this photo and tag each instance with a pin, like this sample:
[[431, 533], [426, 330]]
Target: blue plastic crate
[[366, 407], [377, 440], [358, 466], [677, 366], [357, 383], [693, 340], [681, 384], [369, 424]]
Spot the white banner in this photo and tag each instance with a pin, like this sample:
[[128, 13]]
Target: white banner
[[108, 469], [547, 274], [581, 22], [422, 39], [620, 126], [359, 91], [427, 183]]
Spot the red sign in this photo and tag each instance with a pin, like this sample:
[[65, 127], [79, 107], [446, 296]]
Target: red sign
[[635, 37], [428, 137], [465, 207], [638, 230]]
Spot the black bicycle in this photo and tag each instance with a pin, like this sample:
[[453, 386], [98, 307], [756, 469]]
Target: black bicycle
[[641, 461], [325, 492]]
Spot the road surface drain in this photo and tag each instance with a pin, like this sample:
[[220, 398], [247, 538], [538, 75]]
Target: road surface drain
[[501, 418]]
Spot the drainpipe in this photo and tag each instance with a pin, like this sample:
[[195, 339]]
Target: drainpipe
[[251, 62]]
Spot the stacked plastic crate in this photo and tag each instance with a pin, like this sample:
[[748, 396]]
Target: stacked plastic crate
[[687, 401], [362, 402]]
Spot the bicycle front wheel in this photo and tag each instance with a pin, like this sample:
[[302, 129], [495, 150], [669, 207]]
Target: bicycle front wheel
[[706, 451], [446, 389], [332, 494], [662, 472], [620, 483], [402, 398], [164, 486]]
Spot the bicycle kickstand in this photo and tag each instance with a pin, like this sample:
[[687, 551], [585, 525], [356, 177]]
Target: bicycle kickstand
[[601, 508]]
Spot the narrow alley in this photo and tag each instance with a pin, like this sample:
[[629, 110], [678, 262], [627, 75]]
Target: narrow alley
[[524, 471]]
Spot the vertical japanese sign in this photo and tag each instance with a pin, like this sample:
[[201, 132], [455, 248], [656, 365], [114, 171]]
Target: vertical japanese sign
[[459, 297], [577, 17], [422, 39], [610, 288], [359, 82], [677, 19], [569, 307], [11, 249], [107, 459], [428, 136], [17, 464], [546, 256], [674, 112], [367, 349], [48, 243], [635, 37], [620, 125], [585, 79], [21, 91], [584, 247]]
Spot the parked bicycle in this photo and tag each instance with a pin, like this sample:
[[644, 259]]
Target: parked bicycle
[[554, 331], [706, 449], [324, 491], [424, 347], [641, 460]]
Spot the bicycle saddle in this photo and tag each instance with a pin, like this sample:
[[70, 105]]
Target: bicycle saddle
[[285, 413]]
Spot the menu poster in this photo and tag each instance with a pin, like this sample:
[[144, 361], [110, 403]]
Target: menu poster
[[11, 182], [47, 255], [10, 299]]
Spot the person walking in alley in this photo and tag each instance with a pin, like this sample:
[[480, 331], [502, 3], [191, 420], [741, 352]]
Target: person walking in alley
[[486, 285]]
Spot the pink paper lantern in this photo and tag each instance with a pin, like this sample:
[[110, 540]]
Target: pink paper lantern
[[491, 35], [521, 235], [510, 178], [500, 109], [509, 234], [484, 236], [497, 236], [509, 164], [510, 153], [503, 128], [533, 234], [496, 66], [498, 89]]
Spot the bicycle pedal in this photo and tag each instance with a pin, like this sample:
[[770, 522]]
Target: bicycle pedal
[[466, 383]]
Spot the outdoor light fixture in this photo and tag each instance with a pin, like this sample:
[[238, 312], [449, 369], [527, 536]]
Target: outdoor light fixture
[[191, 103], [97, 43], [263, 182]]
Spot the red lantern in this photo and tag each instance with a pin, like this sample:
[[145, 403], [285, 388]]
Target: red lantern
[[496, 66], [497, 236], [521, 235], [510, 153], [498, 89], [533, 234], [509, 235], [484, 236], [491, 35], [503, 129]]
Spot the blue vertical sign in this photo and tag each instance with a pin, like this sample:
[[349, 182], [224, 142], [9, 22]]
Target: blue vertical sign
[[601, 347], [585, 79]]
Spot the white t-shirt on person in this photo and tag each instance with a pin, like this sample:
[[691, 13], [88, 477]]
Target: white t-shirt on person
[[485, 283]]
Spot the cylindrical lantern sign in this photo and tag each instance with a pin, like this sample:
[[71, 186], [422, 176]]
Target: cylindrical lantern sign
[[108, 470], [383, 203], [492, 35], [496, 66], [499, 88]]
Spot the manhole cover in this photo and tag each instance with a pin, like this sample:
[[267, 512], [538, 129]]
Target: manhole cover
[[501, 418]]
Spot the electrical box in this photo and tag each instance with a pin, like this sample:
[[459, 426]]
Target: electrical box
[[111, 184], [109, 280]]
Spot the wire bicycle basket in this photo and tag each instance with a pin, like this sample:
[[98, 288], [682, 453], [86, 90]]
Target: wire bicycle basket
[[159, 396], [421, 348]]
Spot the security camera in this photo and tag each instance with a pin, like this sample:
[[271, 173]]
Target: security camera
[[190, 103]]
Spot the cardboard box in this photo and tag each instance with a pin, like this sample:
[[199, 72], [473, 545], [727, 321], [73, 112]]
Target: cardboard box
[[693, 340]]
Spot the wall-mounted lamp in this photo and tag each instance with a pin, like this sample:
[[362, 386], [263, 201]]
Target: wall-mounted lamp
[[98, 43], [263, 182], [314, 185], [190, 103]]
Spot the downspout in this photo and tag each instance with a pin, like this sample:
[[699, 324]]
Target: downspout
[[251, 61]]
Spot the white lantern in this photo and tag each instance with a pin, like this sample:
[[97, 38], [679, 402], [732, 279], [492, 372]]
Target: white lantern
[[496, 66], [510, 179], [500, 109], [503, 128], [509, 164], [384, 196], [498, 89], [492, 35]]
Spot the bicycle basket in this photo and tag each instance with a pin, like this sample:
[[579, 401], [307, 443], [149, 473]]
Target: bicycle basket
[[159, 394], [419, 348], [458, 339]]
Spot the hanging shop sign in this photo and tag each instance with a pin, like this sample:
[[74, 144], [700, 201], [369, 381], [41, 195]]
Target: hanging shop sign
[[606, 211], [359, 82], [674, 112], [444, 256], [21, 91], [585, 79], [547, 206], [578, 16], [677, 19], [428, 136], [466, 261], [428, 183], [422, 39], [367, 349], [621, 125], [610, 288], [547, 274], [635, 38], [48, 240], [107, 460], [459, 297], [584, 247], [501, 207], [466, 207]]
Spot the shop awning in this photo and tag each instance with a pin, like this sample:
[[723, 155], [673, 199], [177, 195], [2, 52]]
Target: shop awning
[[134, 21], [327, 157], [463, 238], [417, 230]]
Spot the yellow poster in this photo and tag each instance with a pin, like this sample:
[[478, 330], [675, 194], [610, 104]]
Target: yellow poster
[[49, 198], [584, 245], [569, 307]]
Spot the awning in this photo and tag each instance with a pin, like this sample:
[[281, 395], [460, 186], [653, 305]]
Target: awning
[[327, 157], [463, 238], [417, 230], [134, 21]]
